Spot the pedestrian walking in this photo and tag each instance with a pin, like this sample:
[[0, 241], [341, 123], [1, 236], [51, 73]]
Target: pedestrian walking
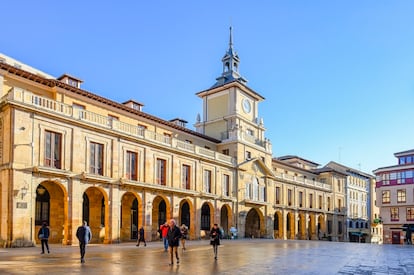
[[174, 235], [141, 237], [164, 231], [84, 235], [215, 235], [184, 234], [43, 236]]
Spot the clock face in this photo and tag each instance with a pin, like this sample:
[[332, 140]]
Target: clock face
[[247, 107]]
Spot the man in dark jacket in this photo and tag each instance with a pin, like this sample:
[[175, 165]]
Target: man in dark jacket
[[173, 236], [84, 235]]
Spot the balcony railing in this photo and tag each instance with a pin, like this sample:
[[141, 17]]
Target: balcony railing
[[303, 181], [51, 106]]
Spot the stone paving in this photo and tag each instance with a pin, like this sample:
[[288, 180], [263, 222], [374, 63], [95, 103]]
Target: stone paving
[[243, 256]]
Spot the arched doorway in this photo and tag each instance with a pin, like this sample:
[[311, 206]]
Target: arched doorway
[[206, 217], [290, 226], [160, 215], [225, 219], [51, 207], [312, 227], [321, 227], [254, 222], [278, 225], [96, 214], [185, 214], [302, 227], [130, 217], [187, 217]]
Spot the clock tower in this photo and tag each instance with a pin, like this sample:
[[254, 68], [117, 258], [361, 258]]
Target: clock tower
[[231, 113]]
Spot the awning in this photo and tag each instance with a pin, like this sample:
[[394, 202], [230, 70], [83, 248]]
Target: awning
[[359, 234]]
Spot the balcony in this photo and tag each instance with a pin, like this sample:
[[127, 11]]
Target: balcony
[[28, 99], [239, 135]]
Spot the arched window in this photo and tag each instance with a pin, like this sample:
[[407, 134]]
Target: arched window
[[255, 187], [185, 214], [288, 222], [205, 217], [162, 213], [226, 67], [42, 205], [276, 223], [85, 208], [103, 212]]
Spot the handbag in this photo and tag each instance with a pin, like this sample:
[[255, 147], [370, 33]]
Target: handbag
[[41, 236]]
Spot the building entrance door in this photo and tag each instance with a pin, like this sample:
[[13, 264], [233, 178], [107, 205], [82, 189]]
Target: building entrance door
[[395, 237]]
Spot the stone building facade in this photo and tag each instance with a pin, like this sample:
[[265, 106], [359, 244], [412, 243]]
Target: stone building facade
[[68, 155]]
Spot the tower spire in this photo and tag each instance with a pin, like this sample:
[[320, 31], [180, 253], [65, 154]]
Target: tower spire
[[230, 65], [231, 38]]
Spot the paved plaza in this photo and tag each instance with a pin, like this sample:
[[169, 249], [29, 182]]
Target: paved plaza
[[244, 256]]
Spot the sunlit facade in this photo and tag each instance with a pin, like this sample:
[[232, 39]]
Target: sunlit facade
[[395, 197], [358, 203], [69, 155]]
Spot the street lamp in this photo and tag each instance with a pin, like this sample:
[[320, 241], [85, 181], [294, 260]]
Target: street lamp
[[23, 191]]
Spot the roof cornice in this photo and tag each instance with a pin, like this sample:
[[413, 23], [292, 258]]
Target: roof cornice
[[229, 85], [56, 83]]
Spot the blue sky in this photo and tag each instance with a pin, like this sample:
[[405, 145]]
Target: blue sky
[[338, 76]]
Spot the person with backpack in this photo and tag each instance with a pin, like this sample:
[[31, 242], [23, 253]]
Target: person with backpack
[[43, 236]]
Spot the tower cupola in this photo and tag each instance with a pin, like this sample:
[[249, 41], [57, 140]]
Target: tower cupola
[[231, 62]]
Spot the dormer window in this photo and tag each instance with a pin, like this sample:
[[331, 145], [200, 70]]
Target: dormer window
[[70, 80], [179, 122], [73, 82], [134, 105]]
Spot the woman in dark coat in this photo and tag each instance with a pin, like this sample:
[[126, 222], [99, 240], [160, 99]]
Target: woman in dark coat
[[173, 236], [43, 236], [215, 235]]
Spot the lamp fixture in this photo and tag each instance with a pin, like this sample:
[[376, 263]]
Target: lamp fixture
[[23, 191], [40, 190]]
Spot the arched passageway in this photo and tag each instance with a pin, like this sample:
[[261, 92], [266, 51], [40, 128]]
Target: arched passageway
[[160, 215], [278, 225], [131, 217], [51, 207], [95, 212], [254, 224]]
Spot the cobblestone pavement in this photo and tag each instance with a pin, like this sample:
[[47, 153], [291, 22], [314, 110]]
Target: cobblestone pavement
[[244, 256]]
